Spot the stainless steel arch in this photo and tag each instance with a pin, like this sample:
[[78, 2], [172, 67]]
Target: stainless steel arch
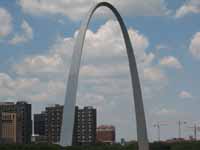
[[70, 99]]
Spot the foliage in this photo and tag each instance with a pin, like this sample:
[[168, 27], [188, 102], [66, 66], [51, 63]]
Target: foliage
[[153, 146]]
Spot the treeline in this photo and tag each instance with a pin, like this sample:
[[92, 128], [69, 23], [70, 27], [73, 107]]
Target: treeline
[[153, 146]]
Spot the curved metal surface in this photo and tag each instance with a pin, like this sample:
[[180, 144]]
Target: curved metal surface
[[70, 97]]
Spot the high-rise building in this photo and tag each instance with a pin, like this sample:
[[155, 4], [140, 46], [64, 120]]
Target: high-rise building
[[51, 119], [40, 123], [23, 120], [25, 112], [48, 123], [84, 126], [54, 122], [105, 134]]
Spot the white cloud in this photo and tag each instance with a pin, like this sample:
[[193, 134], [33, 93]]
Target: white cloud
[[75, 9], [185, 95], [154, 74], [5, 22], [104, 66], [13, 87], [171, 62], [38, 65], [91, 99], [25, 35], [31, 89], [190, 7], [166, 112], [195, 45]]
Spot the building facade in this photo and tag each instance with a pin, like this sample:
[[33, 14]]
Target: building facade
[[8, 127], [23, 125], [40, 123], [53, 123], [49, 123], [84, 126], [105, 134]]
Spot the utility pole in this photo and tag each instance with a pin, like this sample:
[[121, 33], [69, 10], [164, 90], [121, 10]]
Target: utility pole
[[179, 127], [158, 125]]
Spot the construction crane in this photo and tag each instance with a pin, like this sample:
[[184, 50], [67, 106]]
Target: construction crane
[[158, 125], [195, 130], [180, 123]]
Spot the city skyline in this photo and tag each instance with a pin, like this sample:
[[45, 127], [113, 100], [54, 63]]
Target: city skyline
[[36, 47]]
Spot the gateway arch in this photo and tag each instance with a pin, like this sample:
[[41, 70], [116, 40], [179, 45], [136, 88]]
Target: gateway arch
[[70, 97]]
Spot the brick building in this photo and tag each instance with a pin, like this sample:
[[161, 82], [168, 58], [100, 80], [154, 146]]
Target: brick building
[[105, 134]]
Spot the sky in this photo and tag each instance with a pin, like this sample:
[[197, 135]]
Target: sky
[[36, 44]]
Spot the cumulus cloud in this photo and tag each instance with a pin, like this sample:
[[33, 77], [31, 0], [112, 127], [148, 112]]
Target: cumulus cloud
[[13, 87], [171, 62], [5, 22], [31, 89], [190, 7], [37, 65], [75, 9], [185, 95], [25, 35], [154, 74], [166, 112], [194, 47], [104, 63]]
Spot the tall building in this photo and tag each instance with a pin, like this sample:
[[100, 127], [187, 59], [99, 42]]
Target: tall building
[[84, 126], [54, 122], [48, 123], [25, 126], [40, 123], [23, 121], [105, 134]]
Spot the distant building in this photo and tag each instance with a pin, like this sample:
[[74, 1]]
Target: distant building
[[123, 142], [51, 120], [84, 126], [20, 114], [175, 140], [40, 123], [54, 122], [24, 127], [105, 134], [39, 139], [8, 127], [47, 125]]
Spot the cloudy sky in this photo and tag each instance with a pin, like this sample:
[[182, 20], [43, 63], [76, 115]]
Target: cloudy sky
[[36, 43]]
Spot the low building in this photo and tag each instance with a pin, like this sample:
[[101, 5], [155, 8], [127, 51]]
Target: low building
[[20, 112], [8, 128], [39, 139], [105, 134]]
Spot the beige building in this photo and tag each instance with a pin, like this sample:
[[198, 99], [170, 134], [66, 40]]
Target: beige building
[[8, 127]]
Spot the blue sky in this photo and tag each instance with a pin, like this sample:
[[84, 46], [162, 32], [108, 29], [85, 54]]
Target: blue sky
[[36, 43]]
